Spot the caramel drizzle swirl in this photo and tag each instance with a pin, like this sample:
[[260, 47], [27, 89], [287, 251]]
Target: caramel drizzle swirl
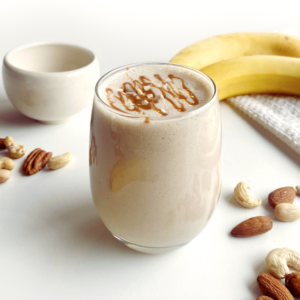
[[135, 99]]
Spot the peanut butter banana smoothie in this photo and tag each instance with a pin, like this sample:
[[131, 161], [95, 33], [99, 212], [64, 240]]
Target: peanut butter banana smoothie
[[155, 154]]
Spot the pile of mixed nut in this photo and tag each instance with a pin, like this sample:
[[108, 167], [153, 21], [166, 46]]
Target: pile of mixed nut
[[281, 199], [278, 260], [34, 162]]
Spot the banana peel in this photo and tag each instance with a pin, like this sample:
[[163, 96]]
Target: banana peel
[[227, 46], [256, 74], [247, 63]]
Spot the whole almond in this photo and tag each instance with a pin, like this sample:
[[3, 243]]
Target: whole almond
[[292, 282], [283, 195], [252, 226], [264, 298], [287, 212], [273, 288]]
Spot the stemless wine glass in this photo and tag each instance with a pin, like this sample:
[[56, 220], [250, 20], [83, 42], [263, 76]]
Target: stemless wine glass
[[155, 185]]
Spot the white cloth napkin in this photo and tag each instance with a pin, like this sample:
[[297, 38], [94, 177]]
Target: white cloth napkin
[[279, 114]]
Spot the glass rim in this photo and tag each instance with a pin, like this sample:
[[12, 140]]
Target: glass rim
[[156, 118]]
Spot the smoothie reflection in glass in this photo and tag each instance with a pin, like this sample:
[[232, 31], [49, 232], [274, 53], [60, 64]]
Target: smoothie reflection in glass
[[155, 154]]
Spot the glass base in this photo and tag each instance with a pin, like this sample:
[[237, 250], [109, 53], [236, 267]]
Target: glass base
[[148, 250]]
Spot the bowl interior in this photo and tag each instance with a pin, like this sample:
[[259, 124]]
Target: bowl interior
[[50, 58]]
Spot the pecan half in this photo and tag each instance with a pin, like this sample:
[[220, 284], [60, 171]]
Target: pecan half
[[36, 161], [2, 145]]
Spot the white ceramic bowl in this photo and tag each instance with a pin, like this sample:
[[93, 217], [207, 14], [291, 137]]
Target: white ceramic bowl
[[50, 82]]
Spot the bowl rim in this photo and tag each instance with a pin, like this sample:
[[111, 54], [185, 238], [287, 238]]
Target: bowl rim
[[10, 66]]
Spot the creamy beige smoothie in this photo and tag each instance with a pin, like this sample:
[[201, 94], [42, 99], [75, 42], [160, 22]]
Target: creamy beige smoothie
[[155, 154]]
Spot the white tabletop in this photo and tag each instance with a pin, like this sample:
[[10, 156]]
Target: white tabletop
[[52, 242]]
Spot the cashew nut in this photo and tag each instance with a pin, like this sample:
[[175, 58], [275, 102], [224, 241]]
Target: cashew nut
[[287, 212], [278, 260], [15, 150], [60, 161], [4, 175], [243, 196], [6, 163], [298, 189]]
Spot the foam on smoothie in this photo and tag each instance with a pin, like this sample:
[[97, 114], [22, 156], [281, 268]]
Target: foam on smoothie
[[156, 90]]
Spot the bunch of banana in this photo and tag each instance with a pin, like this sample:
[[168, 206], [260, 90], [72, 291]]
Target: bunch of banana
[[246, 63]]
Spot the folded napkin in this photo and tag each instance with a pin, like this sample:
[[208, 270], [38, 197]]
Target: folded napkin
[[279, 114]]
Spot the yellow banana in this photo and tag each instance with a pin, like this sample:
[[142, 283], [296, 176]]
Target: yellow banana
[[256, 74], [219, 48]]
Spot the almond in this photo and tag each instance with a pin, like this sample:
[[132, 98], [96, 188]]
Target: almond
[[292, 282], [264, 298], [273, 288], [283, 195], [252, 226]]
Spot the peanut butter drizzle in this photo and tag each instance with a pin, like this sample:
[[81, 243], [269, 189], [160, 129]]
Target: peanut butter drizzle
[[132, 101]]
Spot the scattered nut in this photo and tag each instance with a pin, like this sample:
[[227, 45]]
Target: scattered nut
[[273, 288], [15, 150], [292, 282], [36, 161], [242, 196], [60, 161], [2, 145], [264, 298], [287, 212], [4, 175], [6, 163], [283, 195], [252, 226], [298, 189], [278, 260]]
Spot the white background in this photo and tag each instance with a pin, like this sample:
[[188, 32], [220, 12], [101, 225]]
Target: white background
[[52, 243]]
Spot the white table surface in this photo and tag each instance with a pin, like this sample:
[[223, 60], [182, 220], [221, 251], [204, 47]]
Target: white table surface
[[52, 242]]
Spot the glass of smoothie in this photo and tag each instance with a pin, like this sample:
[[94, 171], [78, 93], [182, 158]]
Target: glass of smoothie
[[155, 154]]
